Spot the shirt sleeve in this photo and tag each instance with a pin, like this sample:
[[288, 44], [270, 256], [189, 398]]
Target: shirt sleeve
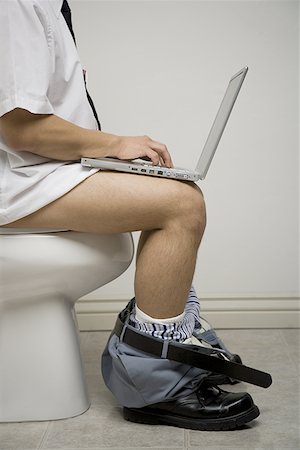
[[26, 55]]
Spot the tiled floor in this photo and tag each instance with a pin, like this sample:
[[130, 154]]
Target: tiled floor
[[103, 427]]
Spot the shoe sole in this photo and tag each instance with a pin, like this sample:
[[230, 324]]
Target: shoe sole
[[227, 423]]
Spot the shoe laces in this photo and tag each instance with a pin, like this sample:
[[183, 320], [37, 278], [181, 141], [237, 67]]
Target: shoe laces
[[206, 392]]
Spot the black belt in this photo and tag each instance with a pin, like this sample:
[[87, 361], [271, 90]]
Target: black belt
[[201, 357]]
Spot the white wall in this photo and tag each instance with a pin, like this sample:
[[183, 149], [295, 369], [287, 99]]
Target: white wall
[[161, 68]]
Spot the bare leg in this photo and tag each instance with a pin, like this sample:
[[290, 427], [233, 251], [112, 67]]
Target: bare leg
[[172, 213]]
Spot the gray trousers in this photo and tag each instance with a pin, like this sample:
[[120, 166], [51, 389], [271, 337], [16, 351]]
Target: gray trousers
[[138, 379]]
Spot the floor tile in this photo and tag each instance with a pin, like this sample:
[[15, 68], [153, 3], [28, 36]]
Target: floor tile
[[107, 428], [292, 336], [93, 344], [98, 392], [277, 426], [22, 436], [292, 340], [102, 426], [259, 435]]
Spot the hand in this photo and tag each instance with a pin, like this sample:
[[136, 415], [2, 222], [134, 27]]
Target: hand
[[133, 147]]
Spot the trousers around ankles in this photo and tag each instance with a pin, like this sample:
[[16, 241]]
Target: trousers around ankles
[[138, 379]]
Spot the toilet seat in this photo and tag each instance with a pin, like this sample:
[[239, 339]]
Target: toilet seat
[[29, 230]]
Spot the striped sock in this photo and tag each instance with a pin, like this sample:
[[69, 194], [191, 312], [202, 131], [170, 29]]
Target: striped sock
[[177, 328]]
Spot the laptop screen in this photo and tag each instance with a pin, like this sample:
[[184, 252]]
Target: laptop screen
[[220, 122]]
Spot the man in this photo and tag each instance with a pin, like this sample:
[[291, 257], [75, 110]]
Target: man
[[47, 123]]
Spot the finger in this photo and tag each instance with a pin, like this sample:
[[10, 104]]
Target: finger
[[153, 155], [163, 152]]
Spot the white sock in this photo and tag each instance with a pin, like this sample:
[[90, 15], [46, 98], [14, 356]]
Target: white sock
[[177, 328], [144, 318]]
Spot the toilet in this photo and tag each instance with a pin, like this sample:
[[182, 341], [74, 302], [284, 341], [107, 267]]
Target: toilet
[[42, 275]]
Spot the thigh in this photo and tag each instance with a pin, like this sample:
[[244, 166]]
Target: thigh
[[112, 202]]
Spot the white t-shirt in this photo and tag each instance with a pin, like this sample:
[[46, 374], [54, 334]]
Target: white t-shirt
[[40, 72]]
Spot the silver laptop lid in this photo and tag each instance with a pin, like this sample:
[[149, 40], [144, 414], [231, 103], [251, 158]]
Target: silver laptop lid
[[220, 121]]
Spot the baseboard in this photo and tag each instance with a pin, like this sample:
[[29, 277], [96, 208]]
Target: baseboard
[[100, 315]]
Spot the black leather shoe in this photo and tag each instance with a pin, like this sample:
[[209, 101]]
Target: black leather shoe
[[209, 408]]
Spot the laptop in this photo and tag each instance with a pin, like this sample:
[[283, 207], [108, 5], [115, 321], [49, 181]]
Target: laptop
[[141, 167]]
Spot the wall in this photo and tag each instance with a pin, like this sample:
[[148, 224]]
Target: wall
[[161, 68]]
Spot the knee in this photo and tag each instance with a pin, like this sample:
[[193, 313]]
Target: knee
[[196, 210], [191, 210]]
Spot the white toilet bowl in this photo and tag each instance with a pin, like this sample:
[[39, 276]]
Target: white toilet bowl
[[42, 274]]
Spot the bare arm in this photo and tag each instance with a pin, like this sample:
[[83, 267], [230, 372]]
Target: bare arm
[[53, 137]]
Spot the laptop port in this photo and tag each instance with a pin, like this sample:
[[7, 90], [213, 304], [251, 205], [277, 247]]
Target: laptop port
[[151, 171], [143, 170], [134, 168], [160, 172]]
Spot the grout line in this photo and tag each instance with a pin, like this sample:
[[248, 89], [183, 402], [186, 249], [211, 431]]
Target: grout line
[[43, 438], [290, 357], [186, 439]]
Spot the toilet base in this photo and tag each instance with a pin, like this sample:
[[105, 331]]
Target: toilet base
[[41, 375]]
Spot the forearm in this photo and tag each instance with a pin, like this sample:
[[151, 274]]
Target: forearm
[[53, 137], [56, 138]]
